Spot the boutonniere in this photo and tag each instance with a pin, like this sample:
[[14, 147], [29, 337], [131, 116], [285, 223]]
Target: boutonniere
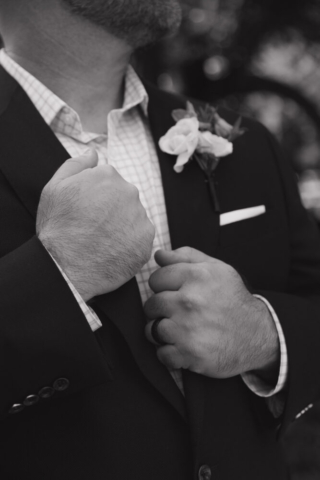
[[202, 136]]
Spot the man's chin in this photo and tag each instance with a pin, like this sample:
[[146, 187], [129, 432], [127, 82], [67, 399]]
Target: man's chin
[[138, 22], [149, 30]]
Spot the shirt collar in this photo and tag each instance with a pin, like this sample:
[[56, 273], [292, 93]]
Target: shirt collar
[[46, 102], [135, 92], [51, 107]]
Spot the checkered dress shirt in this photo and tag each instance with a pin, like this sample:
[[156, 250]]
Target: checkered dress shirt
[[128, 146]]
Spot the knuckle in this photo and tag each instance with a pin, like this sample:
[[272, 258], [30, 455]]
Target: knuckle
[[201, 273], [191, 301], [226, 269], [187, 301]]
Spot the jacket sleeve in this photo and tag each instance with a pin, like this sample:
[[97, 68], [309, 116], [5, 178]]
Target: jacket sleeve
[[44, 335], [298, 309]]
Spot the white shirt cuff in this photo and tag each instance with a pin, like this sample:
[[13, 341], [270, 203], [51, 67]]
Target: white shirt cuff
[[91, 316], [258, 386]]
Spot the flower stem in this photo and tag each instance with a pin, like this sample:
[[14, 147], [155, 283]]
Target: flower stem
[[213, 193]]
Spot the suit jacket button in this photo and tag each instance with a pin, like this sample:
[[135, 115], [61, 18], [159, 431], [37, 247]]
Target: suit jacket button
[[205, 473], [46, 392], [16, 408], [61, 384], [30, 400]]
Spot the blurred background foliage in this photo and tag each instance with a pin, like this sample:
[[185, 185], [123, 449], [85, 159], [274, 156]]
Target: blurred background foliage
[[262, 58], [259, 57]]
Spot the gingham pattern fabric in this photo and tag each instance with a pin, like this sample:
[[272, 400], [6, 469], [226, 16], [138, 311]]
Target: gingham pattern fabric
[[128, 146]]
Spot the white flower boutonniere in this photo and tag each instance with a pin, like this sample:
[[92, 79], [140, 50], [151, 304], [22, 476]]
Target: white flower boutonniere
[[181, 140], [203, 136]]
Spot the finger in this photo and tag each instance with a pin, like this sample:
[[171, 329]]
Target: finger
[[160, 305], [166, 330], [171, 357], [76, 165], [170, 278], [181, 255]]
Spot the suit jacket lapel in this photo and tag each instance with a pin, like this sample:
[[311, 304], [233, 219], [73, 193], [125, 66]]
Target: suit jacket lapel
[[192, 222], [30, 154]]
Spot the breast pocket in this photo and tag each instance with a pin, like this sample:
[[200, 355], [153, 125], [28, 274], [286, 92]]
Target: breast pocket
[[249, 225]]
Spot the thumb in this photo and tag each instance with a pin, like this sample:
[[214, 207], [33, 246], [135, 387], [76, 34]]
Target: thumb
[[76, 165], [181, 255]]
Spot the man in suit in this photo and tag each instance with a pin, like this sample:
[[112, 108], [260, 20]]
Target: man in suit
[[85, 392]]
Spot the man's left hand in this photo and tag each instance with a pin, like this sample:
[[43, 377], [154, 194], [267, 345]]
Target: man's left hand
[[210, 323]]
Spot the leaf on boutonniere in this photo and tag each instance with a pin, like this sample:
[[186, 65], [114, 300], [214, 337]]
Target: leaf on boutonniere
[[207, 113], [236, 131], [181, 114]]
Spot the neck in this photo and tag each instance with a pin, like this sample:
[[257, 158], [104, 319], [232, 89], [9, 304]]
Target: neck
[[82, 64]]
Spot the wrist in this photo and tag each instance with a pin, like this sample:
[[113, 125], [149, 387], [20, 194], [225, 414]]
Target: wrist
[[79, 283], [266, 362], [72, 275]]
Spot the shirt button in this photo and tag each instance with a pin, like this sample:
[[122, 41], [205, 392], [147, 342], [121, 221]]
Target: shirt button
[[46, 392], [30, 400], [16, 408], [205, 473], [61, 384]]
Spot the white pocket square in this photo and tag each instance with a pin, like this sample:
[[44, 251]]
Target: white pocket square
[[243, 214]]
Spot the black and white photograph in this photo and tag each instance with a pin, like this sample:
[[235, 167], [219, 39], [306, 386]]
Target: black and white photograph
[[160, 239]]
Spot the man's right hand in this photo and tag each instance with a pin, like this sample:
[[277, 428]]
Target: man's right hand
[[92, 222]]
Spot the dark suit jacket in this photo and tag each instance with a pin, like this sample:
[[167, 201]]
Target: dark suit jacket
[[122, 416]]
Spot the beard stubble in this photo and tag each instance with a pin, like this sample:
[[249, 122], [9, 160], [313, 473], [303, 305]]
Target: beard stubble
[[138, 22]]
